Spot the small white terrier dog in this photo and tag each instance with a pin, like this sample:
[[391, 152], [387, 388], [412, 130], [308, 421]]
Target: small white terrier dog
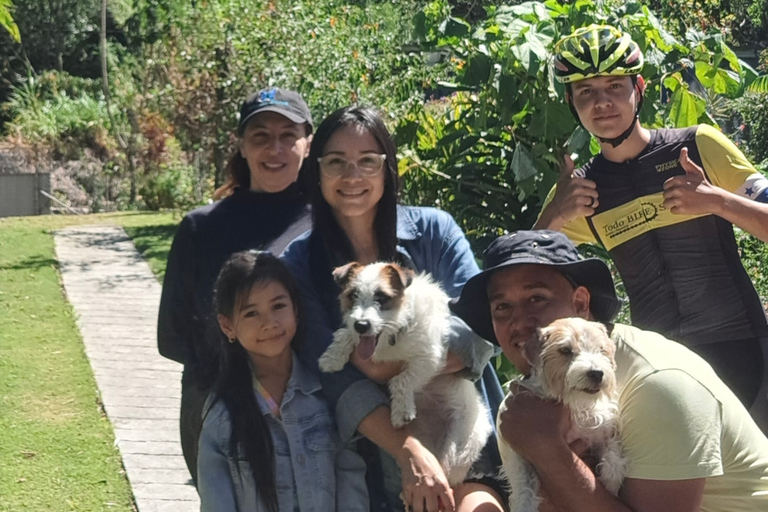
[[572, 362], [394, 315]]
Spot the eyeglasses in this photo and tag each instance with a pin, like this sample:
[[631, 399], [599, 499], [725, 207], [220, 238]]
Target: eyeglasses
[[369, 165]]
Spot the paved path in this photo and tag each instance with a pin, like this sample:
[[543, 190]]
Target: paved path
[[116, 296]]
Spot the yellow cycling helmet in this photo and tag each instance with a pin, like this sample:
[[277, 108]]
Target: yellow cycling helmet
[[596, 50]]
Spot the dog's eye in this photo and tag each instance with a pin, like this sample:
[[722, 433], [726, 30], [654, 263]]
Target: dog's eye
[[566, 351], [383, 299]]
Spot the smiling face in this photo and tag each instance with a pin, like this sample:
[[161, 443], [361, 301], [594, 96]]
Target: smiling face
[[352, 194], [606, 104], [526, 297], [264, 322], [274, 147]]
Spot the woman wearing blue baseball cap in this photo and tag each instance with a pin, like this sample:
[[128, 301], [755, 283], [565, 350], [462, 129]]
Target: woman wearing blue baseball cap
[[264, 207]]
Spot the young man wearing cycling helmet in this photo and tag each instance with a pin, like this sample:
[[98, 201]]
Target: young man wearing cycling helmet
[[663, 203]]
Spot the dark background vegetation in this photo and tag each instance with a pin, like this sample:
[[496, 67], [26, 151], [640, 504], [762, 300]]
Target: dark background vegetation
[[465, 87]]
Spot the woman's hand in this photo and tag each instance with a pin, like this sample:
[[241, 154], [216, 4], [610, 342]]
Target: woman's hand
[[425, 487], [378, 371]]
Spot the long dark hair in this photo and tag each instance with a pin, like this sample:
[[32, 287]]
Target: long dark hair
[[233, 385], [324, 223]]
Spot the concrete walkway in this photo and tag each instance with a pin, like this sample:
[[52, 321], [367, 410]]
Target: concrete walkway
[[116, 296]]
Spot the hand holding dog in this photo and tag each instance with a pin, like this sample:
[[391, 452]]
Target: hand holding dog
[[532, 425], [378, 371], [425, 487]]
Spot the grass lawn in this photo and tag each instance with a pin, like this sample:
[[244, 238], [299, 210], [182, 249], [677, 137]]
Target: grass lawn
[[57, 448]]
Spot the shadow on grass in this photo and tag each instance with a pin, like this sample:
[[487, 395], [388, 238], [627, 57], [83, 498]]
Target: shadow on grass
[[31, 263], [153, 242]]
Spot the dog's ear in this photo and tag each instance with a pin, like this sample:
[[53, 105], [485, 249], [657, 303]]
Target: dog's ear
[[343, 274], [399, 277], [533, 347]]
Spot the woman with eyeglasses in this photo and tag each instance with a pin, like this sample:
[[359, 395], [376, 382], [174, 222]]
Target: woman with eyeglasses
[[354, 179]]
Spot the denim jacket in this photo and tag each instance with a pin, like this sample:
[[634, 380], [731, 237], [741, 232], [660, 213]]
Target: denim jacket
[[311, 466], [429, 240]]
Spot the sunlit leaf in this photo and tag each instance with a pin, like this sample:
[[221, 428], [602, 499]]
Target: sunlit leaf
[[685, 108]]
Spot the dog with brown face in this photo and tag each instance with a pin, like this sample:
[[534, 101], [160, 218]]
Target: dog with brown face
[[572, 362], [392, 314]]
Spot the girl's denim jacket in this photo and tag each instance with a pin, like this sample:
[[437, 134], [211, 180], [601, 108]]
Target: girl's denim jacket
[[314, 470], [429, 240]]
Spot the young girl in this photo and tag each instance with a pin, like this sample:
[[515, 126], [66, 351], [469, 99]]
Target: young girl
[[269, 442], [264, 207]]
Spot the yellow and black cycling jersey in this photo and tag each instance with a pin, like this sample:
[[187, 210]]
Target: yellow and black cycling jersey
[[682, 273]]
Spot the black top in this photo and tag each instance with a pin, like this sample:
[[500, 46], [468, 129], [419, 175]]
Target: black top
[[683, 274], [207, 236]]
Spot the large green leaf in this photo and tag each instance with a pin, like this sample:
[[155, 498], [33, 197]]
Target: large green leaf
[[478, 70], [522, 163], [686, 108], [6, 20], [720, 80]]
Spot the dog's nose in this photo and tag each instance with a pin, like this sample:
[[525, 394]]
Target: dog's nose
[[595, 375], [362, 326]]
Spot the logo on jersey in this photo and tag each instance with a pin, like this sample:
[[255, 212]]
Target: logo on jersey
[[642, 213], [667, 166], [629, 220]]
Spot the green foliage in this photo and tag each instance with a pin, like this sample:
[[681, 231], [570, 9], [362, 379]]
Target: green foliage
[[754, 111], [171, 186], [65, 113], [6, 20], [754, 256], [492, 150], [743, 22]]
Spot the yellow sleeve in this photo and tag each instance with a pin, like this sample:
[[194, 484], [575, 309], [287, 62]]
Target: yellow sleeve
[[725, 164], [671, 427], [576, 230]]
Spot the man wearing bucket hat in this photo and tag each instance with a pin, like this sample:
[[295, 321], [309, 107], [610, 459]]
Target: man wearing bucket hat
[[663, 203], [690, 444]]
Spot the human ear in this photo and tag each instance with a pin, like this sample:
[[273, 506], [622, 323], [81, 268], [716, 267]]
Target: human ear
[[309, 143], [226, 326], [581, 299]]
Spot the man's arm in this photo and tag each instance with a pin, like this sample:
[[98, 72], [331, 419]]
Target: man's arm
[[692, 194], [536, 429]]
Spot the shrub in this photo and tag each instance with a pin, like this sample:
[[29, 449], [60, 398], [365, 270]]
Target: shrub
[[172, 186]]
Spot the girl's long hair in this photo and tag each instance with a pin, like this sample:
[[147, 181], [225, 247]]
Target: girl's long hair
[[324, 222], [233, 385]]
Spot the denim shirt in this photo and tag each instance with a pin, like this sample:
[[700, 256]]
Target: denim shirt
[[429, 240], [312, 466]]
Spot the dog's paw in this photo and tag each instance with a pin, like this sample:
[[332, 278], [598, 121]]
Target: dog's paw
[[401, 419], [329, 364]]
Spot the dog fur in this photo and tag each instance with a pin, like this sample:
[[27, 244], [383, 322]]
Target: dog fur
[[573, 363], [399, 316]]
